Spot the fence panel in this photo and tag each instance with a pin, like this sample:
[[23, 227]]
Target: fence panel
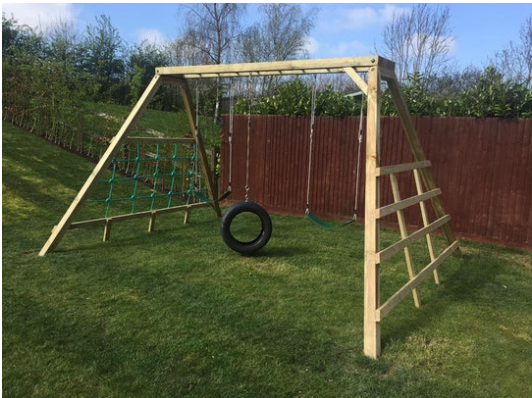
[[483, 166]]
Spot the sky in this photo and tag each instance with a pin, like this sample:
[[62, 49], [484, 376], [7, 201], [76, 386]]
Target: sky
[[479, 30]]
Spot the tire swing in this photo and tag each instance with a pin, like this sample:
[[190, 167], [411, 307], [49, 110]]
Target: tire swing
[[251, 245]]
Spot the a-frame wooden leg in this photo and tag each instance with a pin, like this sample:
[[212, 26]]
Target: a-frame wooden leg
[[60, 229], [200, 148], [372, 328], [425, 217], [417, 151], [404, 234]]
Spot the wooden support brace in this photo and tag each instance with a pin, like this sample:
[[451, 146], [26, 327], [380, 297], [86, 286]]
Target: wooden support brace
[[385, 309], [200, 148], [425, 217], [114, 147], [417, 151], [361, 84], [404, 235]]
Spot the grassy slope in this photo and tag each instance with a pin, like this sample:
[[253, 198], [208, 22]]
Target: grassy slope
[[177, 313], [168, 123]]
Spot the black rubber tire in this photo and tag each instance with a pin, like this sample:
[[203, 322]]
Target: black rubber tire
[[256, 244]]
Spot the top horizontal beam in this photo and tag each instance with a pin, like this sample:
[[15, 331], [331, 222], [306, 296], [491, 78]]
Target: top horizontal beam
[[296, 67]]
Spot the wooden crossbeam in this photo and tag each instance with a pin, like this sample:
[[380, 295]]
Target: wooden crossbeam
[[333, 65], [404, 203], [399, 168], [414, 237], [385, 309], [140, 214], [162, 140]]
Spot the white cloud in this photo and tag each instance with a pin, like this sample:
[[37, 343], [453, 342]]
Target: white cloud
[[357, 18], [352, 49], [153, 36], [389, 11], [311, 45], [40, 16]]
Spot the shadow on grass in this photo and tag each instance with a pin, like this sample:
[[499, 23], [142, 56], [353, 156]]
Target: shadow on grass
[[465, 279]]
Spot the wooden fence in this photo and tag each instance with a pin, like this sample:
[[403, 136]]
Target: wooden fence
[[483, 166]]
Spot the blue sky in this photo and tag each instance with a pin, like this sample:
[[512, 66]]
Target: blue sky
[[342, 29]]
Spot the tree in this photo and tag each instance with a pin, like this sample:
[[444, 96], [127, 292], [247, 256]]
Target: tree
[[143, 59], [20, 40], [419, 41], [515, 62], [62, 41], [101, 58], [211, 29], [279, 36]]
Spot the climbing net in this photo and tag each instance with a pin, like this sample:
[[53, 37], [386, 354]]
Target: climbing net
[[150, 175]]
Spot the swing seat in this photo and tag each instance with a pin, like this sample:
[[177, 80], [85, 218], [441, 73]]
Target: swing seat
[[206, 199], [325, 225]]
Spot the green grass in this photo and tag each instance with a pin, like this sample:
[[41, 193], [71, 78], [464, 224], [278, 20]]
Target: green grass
[[169, 123], [176, 313]]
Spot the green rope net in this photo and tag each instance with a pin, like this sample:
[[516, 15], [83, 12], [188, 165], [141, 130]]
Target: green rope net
[[150, 176]]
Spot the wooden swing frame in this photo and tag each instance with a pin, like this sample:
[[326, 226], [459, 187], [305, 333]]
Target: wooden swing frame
[[377, 69]]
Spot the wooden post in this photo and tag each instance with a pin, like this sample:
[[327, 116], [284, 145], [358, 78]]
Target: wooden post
[[151, 224], [372, 328], [60, 229], [107, 231], [200, 148]]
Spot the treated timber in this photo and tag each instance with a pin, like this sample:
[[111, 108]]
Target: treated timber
[[200, 148], [61, 228], [333, 65], [361, 84], [425, 217], [399, 168], [404, 235], [162, 140], [417, 151], [141, 214], [404, 203], [372, 328], [385, 309], [414, 237]]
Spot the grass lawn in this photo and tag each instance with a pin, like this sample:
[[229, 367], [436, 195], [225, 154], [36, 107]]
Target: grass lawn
[[168, 123], [176, 313]]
